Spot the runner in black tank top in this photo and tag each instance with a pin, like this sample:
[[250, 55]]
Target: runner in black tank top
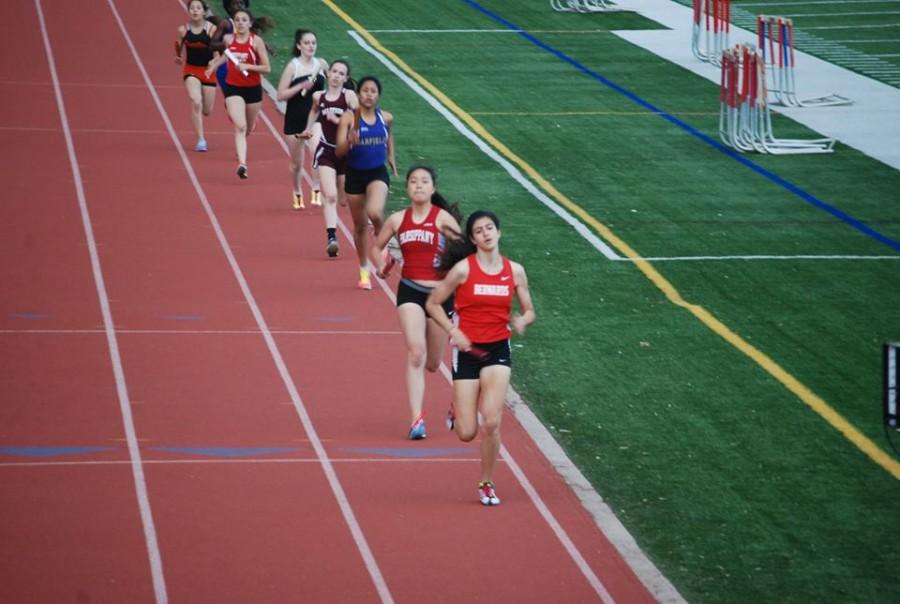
[[301, 77], [193, 48]]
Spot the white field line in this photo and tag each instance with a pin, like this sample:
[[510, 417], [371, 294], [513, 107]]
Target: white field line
[[758, 257], [606, 520], [325, 463], [789, 3], [870, 41], [855, 14], [134, 453], [874, 26]]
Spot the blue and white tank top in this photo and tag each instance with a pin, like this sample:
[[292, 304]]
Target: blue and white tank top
[[370, 151]]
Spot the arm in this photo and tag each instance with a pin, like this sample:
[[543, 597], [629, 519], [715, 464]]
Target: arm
[[352, 100], [346, 135], [376, 252], [260, 46], [389, 120], [447, 225], [456, 277], [214, 64], [520, 321], [313, 115], [285, 90], [179, 47]]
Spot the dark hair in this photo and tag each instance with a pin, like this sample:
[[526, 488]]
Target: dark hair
[[460, 248], [226, 4], [258, 25], [187, 4], [477, 214], [436, 198], [298, 35], [349, 84], [369, 78]]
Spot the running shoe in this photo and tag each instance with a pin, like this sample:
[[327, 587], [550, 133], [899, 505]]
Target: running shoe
[[332, 248], [316, 198], [417, 429], [242, 171], [486, 494], [201, 145], [298, 201], [450, 420], [364, 281]]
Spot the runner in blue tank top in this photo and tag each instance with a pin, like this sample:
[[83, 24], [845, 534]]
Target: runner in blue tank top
[[366, 138]]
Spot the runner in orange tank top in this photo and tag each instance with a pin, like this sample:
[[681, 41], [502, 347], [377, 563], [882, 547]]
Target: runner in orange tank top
[[485, 284], [193, 50]]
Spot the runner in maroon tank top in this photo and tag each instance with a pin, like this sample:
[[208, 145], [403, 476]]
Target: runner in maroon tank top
[[485, 284], [327, 108], [422, 230]]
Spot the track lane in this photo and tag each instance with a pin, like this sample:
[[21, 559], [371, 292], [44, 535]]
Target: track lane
[[197, 389]]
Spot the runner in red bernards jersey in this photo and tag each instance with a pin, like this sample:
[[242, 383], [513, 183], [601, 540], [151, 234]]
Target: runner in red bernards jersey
[[422, 230], [485, 284], [247, 59]]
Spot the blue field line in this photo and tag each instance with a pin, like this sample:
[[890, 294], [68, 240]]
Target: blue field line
[[805, 196]]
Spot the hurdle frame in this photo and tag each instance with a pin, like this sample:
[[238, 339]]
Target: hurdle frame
[[711, 29], [776, 41], [745, 119]]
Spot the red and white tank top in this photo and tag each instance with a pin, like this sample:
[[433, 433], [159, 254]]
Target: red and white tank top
[[245, 53], [484, 302], [422, 245]]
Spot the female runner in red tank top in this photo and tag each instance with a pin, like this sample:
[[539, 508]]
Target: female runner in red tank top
[[247, 60], [327, 108], [193, 49], [422, 230], [485, 284]]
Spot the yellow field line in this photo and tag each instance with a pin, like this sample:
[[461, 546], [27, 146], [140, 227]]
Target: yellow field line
[[582, 113], [816, 403]]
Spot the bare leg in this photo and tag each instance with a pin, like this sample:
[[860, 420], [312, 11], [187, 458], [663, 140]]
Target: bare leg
[[237, 111], [412, 323], [494, 381], [296, 152], [195, 94]]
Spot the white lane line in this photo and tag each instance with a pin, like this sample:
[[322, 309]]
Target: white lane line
[[274, 460], [526, 485], [134, 453], [327, 468], [514, 172], [210, 332]]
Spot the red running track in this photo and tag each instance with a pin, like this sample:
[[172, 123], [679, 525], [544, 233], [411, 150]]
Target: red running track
[[198, 405]]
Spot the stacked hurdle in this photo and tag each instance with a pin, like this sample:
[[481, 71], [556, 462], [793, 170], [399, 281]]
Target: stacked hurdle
[[584, 6], [776, 41], [745, 122], [712, 24]]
